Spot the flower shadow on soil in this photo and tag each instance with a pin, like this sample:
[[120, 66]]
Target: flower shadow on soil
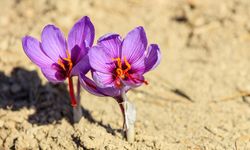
[[51, 102]]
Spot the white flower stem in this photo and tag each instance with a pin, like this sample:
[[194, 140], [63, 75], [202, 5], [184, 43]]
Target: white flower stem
[[129, 118], [77, 110]]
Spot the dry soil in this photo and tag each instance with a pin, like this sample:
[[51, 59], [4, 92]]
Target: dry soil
[[196, 99]]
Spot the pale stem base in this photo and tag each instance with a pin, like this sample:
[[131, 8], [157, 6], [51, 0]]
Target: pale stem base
[[77, 111], [130, 133], [130, 117]]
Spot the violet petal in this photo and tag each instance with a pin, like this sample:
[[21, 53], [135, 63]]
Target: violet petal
[[111, 91], [111, 43], [50, 74], [32, 48], [81, 67], [53, 42], [134, 45], [138, 66], [75, 54], [82, 32], [56, 67], [103, 79], [89, 85], [153, 57], [92, 87], [100, 61], [60, 75]]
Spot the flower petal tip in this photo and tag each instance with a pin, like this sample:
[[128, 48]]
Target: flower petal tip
[[84, 18], [108, 37], [153, 57], [50, 26], [83, 31]]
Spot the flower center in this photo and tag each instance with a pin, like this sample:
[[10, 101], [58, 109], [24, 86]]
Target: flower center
[[66, 63], [122, 72]]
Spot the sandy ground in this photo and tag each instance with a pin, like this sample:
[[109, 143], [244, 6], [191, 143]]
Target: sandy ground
[[205, 48]]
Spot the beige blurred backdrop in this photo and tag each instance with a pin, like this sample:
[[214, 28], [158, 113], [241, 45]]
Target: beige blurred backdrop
[[193, 99]]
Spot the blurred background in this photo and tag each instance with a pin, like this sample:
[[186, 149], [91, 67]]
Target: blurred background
[[194, 98]]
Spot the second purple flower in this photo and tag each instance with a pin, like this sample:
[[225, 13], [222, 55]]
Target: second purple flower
[[119, 65]]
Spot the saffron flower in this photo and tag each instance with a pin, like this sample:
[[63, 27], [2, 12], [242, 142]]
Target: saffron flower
[[59, 59], [119, 65]]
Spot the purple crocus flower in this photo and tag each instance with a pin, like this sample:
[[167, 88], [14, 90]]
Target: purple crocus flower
[[119, 65], [59, 59]]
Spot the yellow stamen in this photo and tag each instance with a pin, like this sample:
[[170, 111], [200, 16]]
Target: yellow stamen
[[119, 63], [68, 59], [127, 64], [61, 64], [124, 73], [120, 73], [119, 70]]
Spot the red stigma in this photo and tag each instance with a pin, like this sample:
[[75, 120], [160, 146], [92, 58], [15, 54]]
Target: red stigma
[[122, 73], [71, 93]]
